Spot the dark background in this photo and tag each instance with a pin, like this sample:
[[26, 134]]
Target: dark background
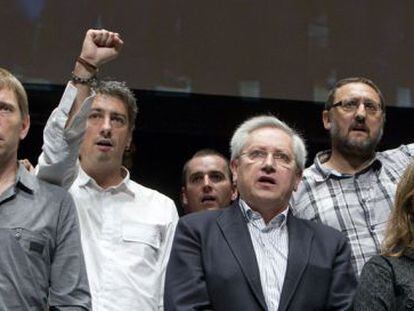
[[284, 49], [172, 126], [200, 68]]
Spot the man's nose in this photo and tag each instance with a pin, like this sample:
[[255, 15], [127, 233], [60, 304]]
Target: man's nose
[[206, 180], [361, 112], [269, 163], [269, 160], [106, 125]]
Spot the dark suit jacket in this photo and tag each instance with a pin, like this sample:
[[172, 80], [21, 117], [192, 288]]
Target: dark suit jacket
[[213, 266]]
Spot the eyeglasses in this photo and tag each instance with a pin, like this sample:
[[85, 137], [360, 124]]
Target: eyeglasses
[[352, 105], [282, 159]]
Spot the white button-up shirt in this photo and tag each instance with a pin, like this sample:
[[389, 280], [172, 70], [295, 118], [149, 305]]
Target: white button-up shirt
[[126, 230]]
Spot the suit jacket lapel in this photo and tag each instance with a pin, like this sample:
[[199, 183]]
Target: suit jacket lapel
[[300, 239], [235, 231]]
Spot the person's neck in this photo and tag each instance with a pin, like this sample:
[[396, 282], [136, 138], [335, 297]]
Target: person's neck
[[348, 164], [105, 176], [8, 172]]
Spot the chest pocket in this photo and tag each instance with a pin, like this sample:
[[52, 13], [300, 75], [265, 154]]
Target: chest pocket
[[148, 234], [33, 243]]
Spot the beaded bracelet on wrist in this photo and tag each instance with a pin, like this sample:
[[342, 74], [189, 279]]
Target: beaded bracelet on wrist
[[92, 81]]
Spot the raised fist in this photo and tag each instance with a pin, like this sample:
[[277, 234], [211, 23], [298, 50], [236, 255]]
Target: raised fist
[[101, 46]]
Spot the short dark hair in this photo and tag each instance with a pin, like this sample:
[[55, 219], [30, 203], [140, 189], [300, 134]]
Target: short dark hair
[[342, 82], [120, 90], [203, 153]]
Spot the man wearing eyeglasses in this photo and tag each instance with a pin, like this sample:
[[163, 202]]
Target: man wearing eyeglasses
[[255, 255], [351, 187]]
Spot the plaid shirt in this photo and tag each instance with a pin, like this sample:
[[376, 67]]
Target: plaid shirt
[[358, 205]]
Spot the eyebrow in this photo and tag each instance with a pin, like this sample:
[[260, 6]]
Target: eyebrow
[[198, 173], [110, 112], [6, 104]]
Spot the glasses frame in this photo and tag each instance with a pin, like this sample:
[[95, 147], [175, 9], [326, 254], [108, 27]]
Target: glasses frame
[[353, 108], [286, 165]]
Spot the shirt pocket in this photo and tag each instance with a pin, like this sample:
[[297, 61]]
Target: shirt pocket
[[143, 239], [33, 243], [36, 248], [149, 234]]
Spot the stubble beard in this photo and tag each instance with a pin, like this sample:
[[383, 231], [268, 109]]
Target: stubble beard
[[359, 149]]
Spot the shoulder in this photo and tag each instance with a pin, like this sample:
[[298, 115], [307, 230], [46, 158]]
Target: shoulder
[[51, 191], [378, 266], [311, 178], [205, 223], [320, 230], [53, 199], [403, 152], [311, 173], [152, 196], [201, 218]]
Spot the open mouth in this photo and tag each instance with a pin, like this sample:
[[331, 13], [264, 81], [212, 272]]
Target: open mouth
[[104, 143], [267, 180], [359, 128], [208, 199]]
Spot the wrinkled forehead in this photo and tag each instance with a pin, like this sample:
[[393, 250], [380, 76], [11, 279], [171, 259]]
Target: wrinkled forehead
[[269, 138], [357, 90]]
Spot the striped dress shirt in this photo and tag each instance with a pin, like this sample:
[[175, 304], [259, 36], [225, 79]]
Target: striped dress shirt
[[270, 243], [358, 205]]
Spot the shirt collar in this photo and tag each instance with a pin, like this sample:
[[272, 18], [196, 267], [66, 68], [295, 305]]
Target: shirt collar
[[123, 186], [24, 180], [326, 172], [252, 216]]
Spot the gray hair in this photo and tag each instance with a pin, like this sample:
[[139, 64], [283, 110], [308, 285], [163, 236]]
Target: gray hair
[[120, 90], [243, 131]]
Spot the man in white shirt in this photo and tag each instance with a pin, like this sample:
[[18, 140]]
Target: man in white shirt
[[126, 228]]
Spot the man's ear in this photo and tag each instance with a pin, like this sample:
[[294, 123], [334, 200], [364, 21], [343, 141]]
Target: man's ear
[[25, 127], [298, 179], [234, 193], [233, 167], [184, 198], [129, 142], [326, 120]]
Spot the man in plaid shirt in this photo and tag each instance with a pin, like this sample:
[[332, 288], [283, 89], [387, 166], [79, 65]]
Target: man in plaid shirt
[[351, 187]]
